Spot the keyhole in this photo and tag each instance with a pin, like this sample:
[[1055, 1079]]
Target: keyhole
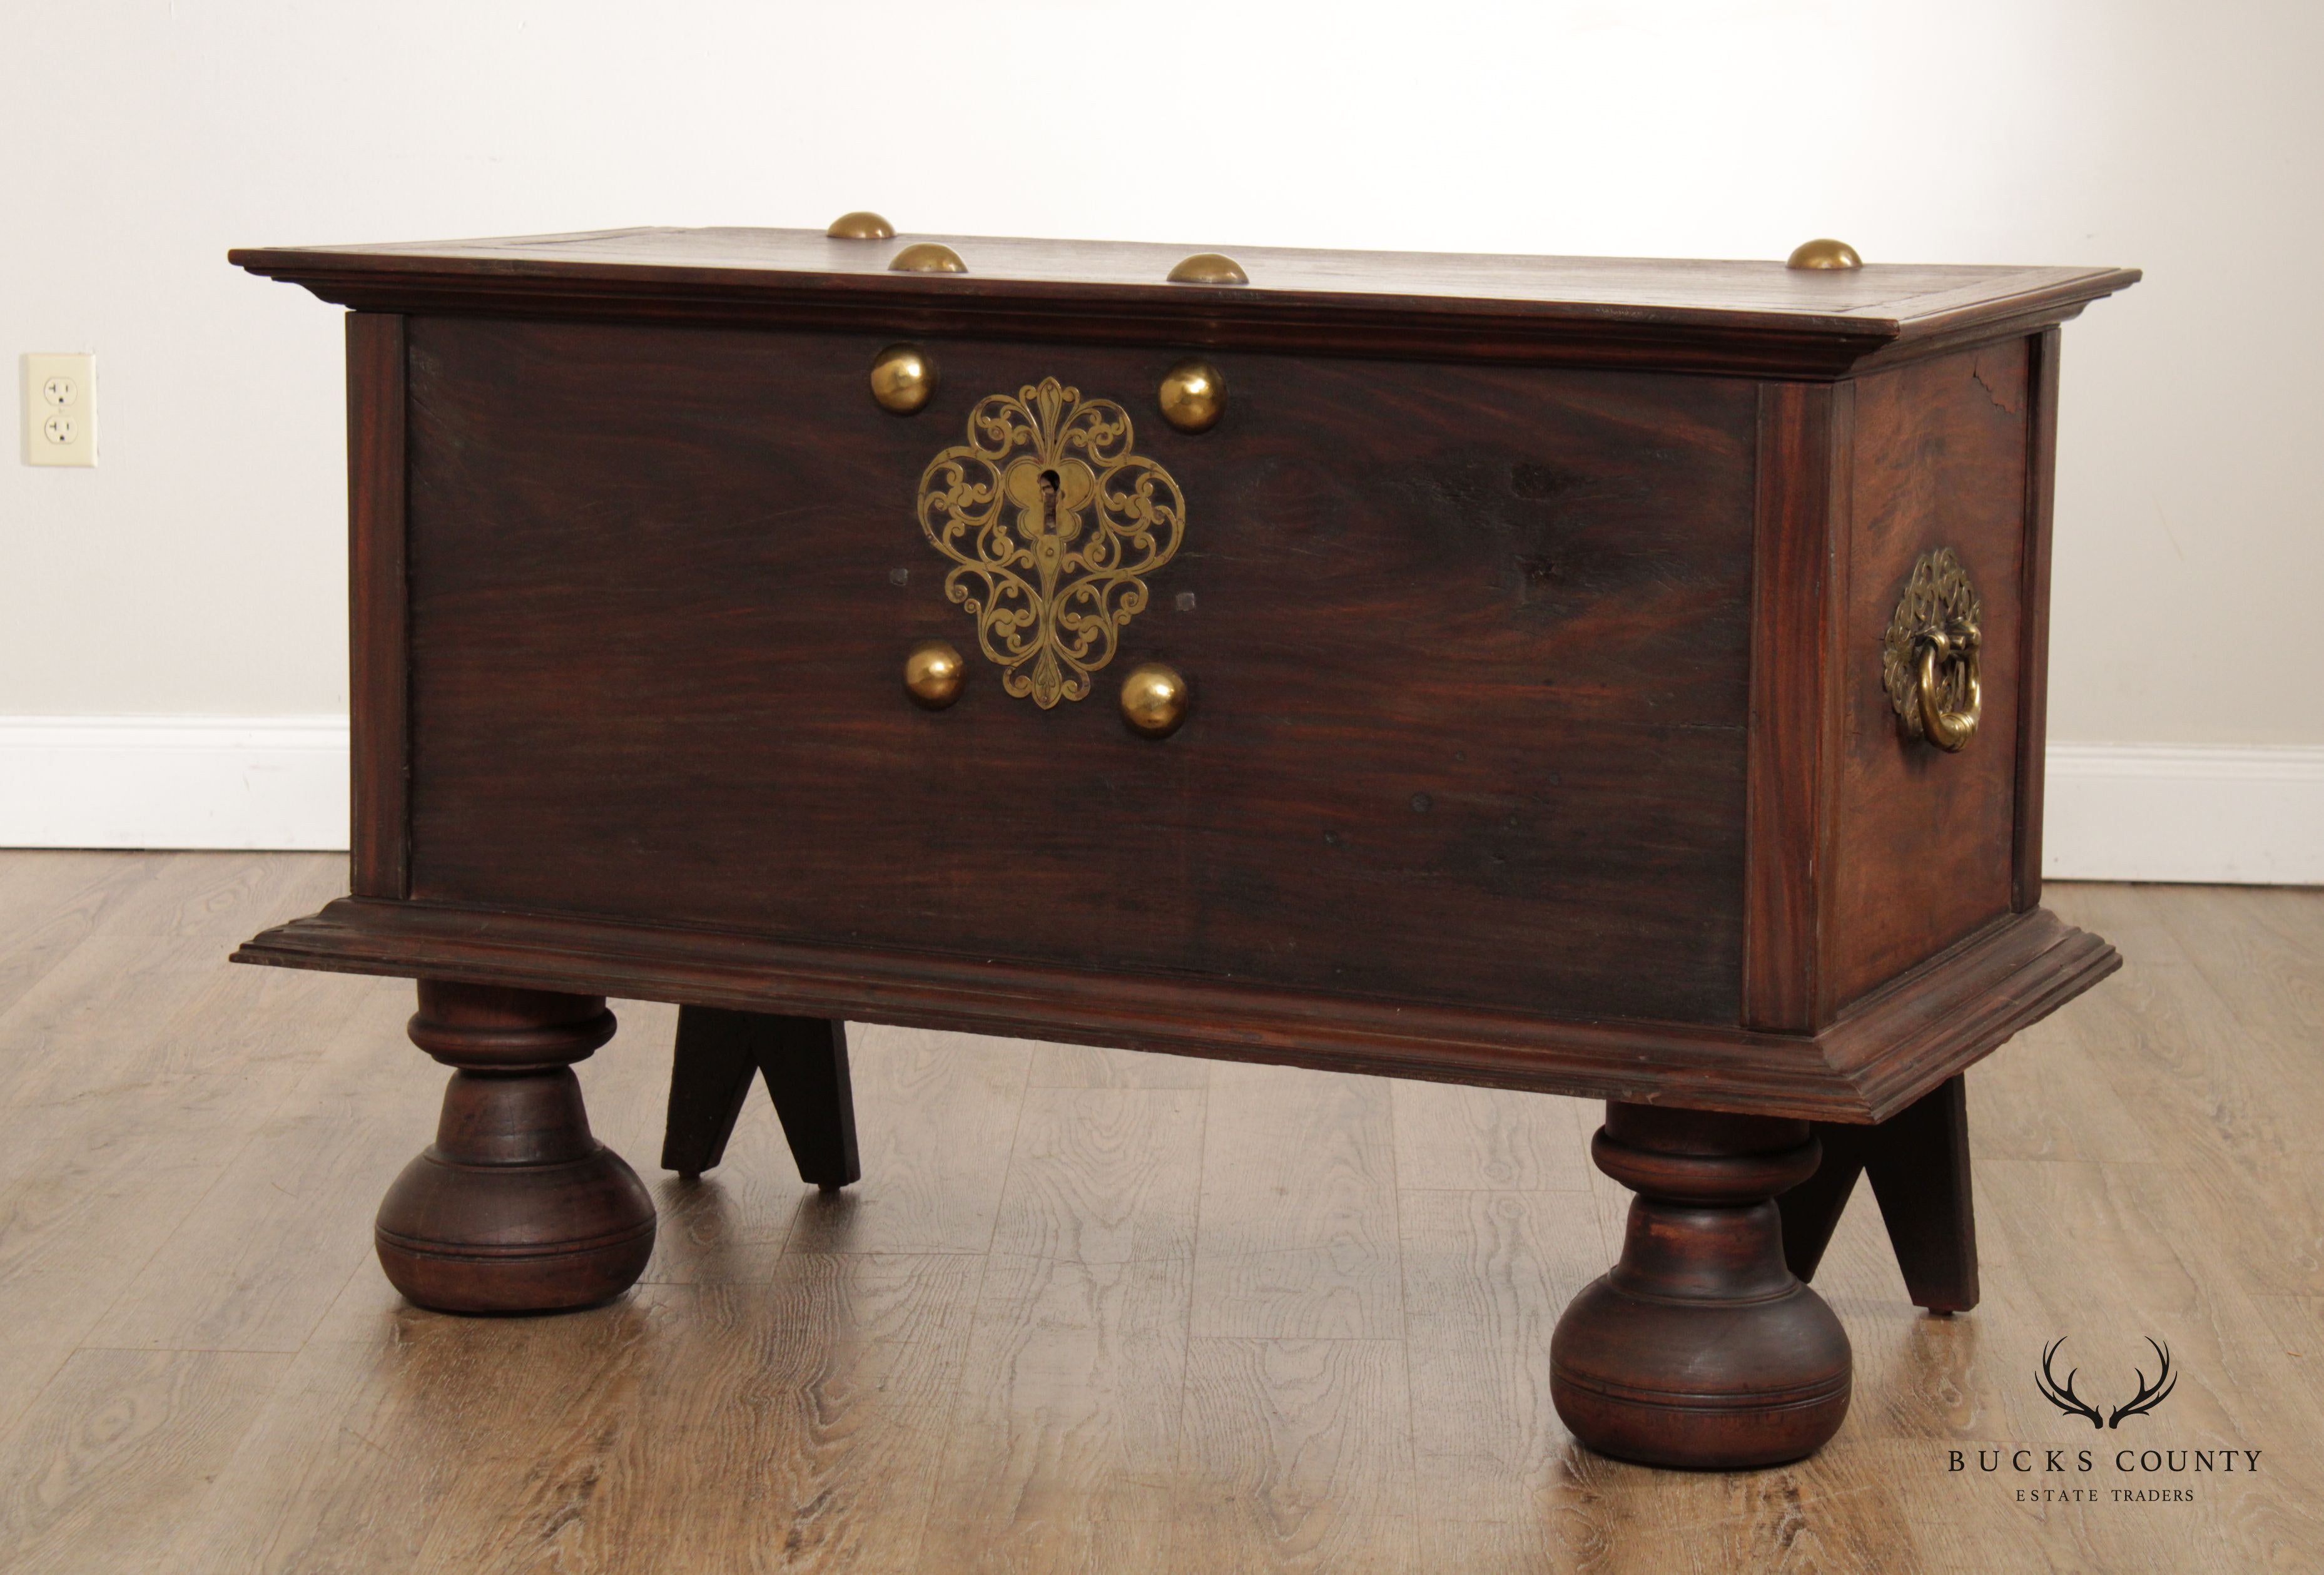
[[1049, 499]]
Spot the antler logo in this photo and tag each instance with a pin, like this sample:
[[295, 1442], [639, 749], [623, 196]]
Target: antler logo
[[2063, 1397]]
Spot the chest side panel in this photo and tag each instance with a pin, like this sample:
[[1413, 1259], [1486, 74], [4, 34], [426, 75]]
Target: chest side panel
[[1923, 838], [1469, 649]]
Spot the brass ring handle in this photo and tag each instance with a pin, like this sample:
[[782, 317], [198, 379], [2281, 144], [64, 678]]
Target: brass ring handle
[[1948, 730], [1928, 658]]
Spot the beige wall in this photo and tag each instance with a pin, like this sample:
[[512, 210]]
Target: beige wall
[[198, 570]]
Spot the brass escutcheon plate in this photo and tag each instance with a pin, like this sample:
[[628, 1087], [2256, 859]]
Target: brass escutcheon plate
[[1052, 521]]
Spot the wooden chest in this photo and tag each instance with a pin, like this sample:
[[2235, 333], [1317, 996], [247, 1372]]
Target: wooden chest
[[1496, 669]]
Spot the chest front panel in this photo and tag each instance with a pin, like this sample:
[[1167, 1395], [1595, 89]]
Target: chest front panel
[[1469, 649]]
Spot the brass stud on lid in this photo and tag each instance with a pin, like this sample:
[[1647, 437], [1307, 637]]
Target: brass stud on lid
[[861, 225], [1824, 254], [902, 378], [1209, 268], [1193, 396], [927, 257]]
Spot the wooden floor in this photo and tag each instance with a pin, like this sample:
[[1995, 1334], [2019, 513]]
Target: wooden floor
[[1087, 1310]]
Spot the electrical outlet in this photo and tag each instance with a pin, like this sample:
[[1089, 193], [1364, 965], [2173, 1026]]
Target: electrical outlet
[[60, 410]]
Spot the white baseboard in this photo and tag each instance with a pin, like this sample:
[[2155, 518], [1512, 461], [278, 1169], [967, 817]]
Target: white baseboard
[[2241, 813], [174, 781], [2128, 811]]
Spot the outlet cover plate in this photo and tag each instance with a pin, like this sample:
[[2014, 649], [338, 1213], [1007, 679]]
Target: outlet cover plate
[[60, 407]]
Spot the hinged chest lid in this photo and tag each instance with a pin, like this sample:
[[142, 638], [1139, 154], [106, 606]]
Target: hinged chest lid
[[1755, 318]]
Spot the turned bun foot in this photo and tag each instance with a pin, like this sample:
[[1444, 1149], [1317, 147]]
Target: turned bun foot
[[1699, 1349], [515, 1208]]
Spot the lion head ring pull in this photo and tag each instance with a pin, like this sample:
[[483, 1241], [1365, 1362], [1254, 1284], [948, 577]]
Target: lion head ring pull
[[1929, 658]]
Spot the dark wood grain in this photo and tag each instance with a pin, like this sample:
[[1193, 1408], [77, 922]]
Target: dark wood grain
[[515, 1207], [1887, 1050], [1669, 313], [710, 1076], [1699, 1348], [1798, 576], [1907, 293], [803, 1061], [378, 671], [2033, 673], [1918, 1162], [1470, 649], [1924, 840]]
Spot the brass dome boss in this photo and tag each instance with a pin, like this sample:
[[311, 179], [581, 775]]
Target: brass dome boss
[[934, 671], [1193, 396], [1152, 698], [902, 378]]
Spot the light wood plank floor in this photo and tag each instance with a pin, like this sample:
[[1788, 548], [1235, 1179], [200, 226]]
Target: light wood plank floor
[[1087, 1311]]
